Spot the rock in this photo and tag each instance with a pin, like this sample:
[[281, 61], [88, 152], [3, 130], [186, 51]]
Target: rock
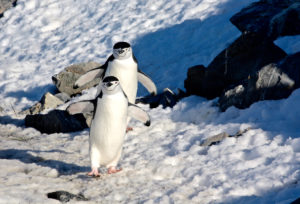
[[167, 99], [64, 81], [245, 56], [56, 121], [287, 22], [291, 66], [296, 201], [88, 118], [65, 196], [269, 18], [63, 97], [214, 139], [6, 4], [48, 101], [274, 81], [220, 137], [192, 84]]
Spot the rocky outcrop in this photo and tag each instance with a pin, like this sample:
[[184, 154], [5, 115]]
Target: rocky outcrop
[[269, 18], [6, 4], [244, 72], [274, 81], [65, 80], [245, 56]]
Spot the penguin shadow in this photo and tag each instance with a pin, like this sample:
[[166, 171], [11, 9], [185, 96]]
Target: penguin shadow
[[24, 156], [33, 94], [4, 120]]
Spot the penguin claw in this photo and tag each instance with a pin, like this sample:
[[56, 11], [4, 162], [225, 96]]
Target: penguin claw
[[128, 129], [94, 173], [112, 170]]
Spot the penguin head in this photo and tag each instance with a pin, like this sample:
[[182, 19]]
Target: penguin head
[[122, 50], [111, 85]]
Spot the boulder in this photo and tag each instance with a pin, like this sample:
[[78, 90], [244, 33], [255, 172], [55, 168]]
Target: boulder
[[291, 66], [296, 201], [193, 83], [269, 18], [64, 81], [50, 101], [63, 97], [6, 4], [167, 98], [274, 81], [244, 57], [56, 121]]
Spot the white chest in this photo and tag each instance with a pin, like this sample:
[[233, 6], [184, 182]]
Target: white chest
[[126, 71]]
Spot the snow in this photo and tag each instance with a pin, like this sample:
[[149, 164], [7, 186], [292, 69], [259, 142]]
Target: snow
[[163, 163]]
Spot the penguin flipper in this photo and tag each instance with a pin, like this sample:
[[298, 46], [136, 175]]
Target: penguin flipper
[[89, 76], [80, 107], [147, 82], [138, 114]]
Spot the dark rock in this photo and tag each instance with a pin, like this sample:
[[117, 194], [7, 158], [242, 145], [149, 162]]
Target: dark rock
[[56, 121], [65, 80], [245, 56], [274, 81], [6, 4], [193, 83], [65, 196], [291, 66], [167, 99], [297, 201], [269, 18], [286, 22]]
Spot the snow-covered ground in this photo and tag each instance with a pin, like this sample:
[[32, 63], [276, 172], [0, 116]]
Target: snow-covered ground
[[163, 163]]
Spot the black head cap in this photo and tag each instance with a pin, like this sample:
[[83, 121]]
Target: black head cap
[[121, 45], [110, 79]]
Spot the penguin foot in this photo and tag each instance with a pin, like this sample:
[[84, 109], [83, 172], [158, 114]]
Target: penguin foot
[[129, 129], [112, 170], [94, 172]]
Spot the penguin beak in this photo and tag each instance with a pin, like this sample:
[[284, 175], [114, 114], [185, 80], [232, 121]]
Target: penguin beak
[[109, 84]]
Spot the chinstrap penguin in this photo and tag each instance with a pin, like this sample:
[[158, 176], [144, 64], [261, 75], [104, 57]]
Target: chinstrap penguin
[[109, 124], [123, 65]]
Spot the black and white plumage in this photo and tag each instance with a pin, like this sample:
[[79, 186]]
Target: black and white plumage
[[123, 65], [109, 124]]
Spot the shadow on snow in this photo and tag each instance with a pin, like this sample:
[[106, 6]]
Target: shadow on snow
[[24, 156]]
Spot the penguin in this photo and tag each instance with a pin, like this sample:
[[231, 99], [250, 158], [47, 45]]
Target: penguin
[[108, 127], [123, 65]]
